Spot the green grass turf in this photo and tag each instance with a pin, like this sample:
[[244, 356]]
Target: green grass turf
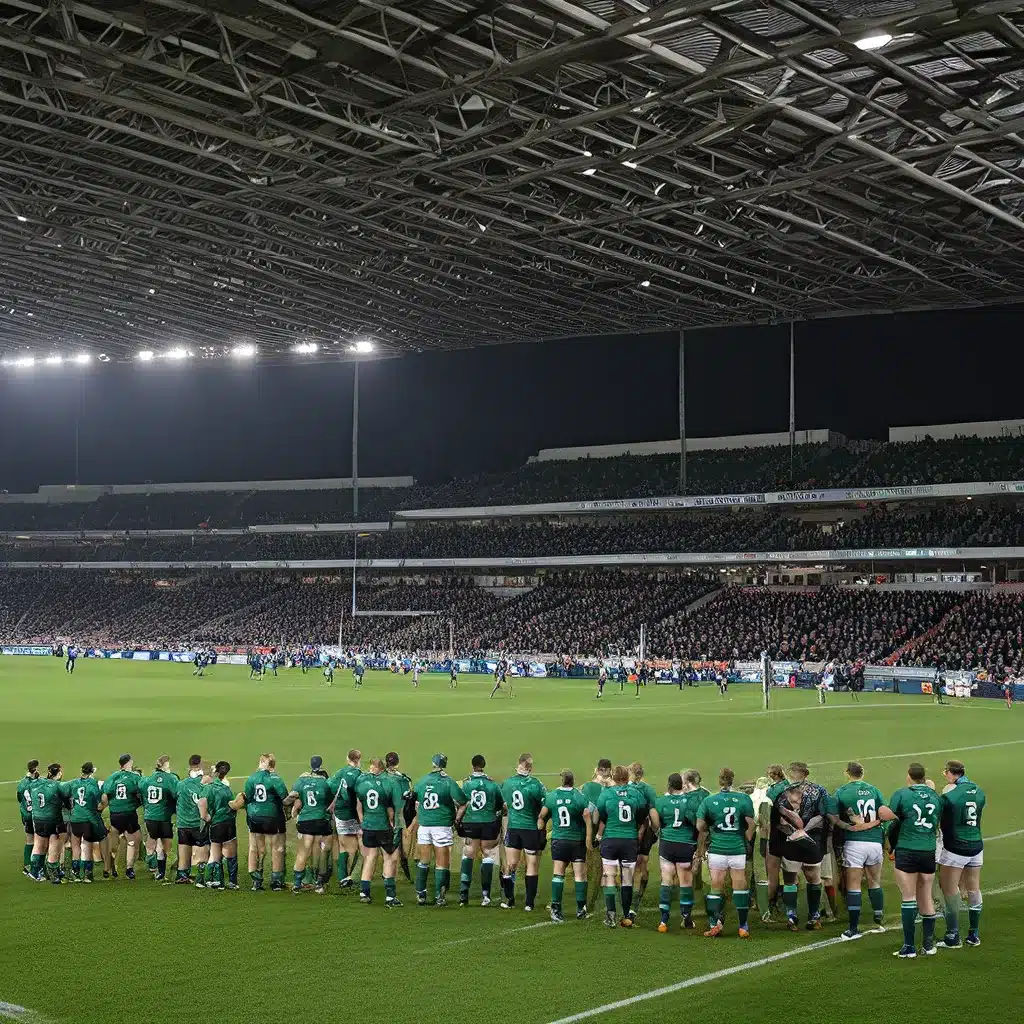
[[91, 954]]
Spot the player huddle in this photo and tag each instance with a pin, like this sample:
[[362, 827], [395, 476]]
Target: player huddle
[[377, 812]]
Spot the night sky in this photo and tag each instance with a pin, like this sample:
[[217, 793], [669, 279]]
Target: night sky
[[449, 414]]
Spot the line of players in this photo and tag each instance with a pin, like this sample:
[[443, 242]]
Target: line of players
[[375, 812]]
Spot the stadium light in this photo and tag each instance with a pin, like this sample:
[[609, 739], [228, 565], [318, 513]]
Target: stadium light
[[20, 362], [82, 358], [873, 42], [146, 356], [177, 353], [362, 347], [307, 348], [244, 351], [631, 164], [21, 219], [645, 284], [53, 360]]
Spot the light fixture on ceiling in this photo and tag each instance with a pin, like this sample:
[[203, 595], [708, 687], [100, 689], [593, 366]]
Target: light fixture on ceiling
[[146, 356], [307, 348], [177, 353], [362, 347], [244, 351], [53, 360], [645, 284], [82, 358], [875, 41]]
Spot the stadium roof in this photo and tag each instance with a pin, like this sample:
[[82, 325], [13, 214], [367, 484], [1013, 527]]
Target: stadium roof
[[446, 173]]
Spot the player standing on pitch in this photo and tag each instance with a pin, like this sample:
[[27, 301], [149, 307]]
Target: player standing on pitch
[[479, 824], [524, 796], [962, 854], [569, 812], [619, 809]]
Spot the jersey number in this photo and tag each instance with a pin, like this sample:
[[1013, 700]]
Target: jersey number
[[971, 813], [518, 803], [922, 821], [729, 820], [676, 820], [431, 802], [478, 799], [42, 800], [260, 793], [80, 798], [866, 809], [154, 794], [372, 799], [564, 818], [121, 791], [310, 798], [625, 812]]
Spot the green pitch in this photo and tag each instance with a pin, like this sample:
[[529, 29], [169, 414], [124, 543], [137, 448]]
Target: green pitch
[[120, 949]]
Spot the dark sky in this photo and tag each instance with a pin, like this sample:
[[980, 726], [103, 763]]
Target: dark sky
[[439, 415]]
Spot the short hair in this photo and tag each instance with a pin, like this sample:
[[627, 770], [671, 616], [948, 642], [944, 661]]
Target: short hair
[[391, 759], [675, 781], [636, 769], [916, 771], [479, 762], [726, 777], [955, 768], [53, 770], [271, 762], [88, 768], [855, 770], [377, 762], [32, 765], [221, 769], [526, 760], [620, 774], [355, 755], [124, 759], [195, 760], [799, 768], [163, 761], [568, 779], [604, 765], [776, 772], [692, 776]]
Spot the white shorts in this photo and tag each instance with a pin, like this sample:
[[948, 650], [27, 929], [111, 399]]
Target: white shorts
[[956, 860], [796, 865], [727, 862], [347, 828], [434, 835], [857, 854]]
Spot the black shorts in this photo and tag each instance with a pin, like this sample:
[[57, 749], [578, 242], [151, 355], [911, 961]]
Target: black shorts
[[568, 851], [803, 851], [124, 823], [920, 861], [644, 844], [194, 836], [88, 830], [319, 827], [43, 828], [29, 830], [223, 832], [159, 829], [488, 830], [677, 853], [380, 839], [775, 844], [266, 826], [623, 850], [532, 840]]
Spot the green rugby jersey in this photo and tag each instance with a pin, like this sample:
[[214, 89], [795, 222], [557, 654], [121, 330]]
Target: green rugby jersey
[[592, 791], [437, 796], [124, 792], [649, 793], [46, 800], [917, 808], [401, 789], [190, 791], [725, 815], [485, 799], [961, 818], [85, 799], [343, 782], [24, 793], [568, 808], [316, 795], [218, 800], [160, 795], [864, 800], [677, 817], [376, 795], [524, 797], [265, 794], [619, 807]]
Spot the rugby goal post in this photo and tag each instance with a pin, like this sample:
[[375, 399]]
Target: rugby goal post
[[766, 679]]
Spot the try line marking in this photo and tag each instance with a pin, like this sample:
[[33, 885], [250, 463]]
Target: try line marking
[[703, 979]]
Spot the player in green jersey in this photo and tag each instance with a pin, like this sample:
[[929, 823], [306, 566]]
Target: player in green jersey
[[87, 830], [962, 853], [438, 798], [524, 796], [619, 810], [727, 818], [160, 795], [862, 845], [675, 817], [24, 794], [569, 811], [47, 826], [647, 838], [123, 791], [346, 824], [193, 817], [221, 805], [405, 811], [479, 824], [264, 798], [592, 790], [915, 814], [311, 798], [768, 826], [376, 797]]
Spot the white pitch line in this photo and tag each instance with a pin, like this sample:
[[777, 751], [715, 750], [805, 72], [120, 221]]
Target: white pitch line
[[1005, 835], [703, 979], [489, 937], [912, 753]]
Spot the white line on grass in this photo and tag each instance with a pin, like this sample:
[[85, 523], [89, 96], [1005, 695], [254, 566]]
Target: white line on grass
[[488, 937], [913, 753], [1005, 835]]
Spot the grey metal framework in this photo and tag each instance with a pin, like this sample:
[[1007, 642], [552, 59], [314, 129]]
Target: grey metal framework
[[447, 173]]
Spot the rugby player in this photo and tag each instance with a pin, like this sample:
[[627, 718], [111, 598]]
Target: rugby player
[[915, 814], [357, 672], [192, 814], [769, 822], [569, 812], [264, 797], [87, 829], [602, 678], [500, 676], [453, 680], [346, 823], [524, 796], [47, 826], [24, 795], [803, 812], [479, 824], [727, 817], [377, 798], [310, 799], [856, 806], [329, 672], [648, 835], [221, 805], [675, 817], [438, 798], [123, 791], [592, 790], [160, 792], [618, 809], [405, 812], [962, 854]]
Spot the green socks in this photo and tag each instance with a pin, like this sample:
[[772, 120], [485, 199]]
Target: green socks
[[789, 895], [36, 863], [442, 880], [741, 901], [609, 898], [928, 930], [877, 898], [557, 886], [952, 914], [486, 877], [713, 905], [26, 855], [581, 896], [465, 876], [232, 870], [297, 879], [389, 888], [342, 866], [973, 912], [853, 905], [665, 902], [908, 915], [686, 900], [421, 877], [627, 900], [813, 900]]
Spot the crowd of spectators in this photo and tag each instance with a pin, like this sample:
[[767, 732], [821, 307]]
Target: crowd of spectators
[[994, 523], [723, 471]]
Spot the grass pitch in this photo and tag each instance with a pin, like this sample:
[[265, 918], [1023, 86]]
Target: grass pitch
[[116, 948]]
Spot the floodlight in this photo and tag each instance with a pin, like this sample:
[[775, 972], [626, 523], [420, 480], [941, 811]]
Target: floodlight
[[177, 353], [22, 220], [145, 355], [363, 346], [152, 291], [244, 351], [24, 361], [590, 170], [645, 284], [82, 358], [53, 360], [306, 348], [631, 164], [873, 42]]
